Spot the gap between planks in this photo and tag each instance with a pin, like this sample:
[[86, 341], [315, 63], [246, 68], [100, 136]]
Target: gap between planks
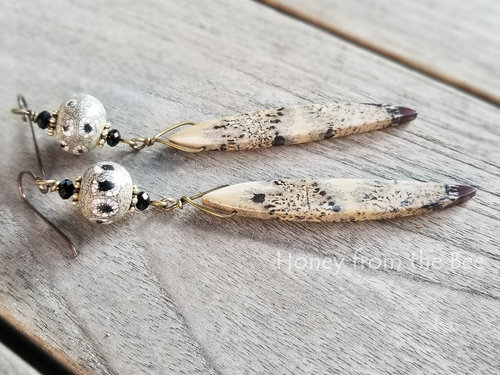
[[34, 351], [387, 53]]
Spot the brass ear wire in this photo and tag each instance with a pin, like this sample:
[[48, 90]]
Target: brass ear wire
[[169, 204], [29, 116], [23, 109], [43, 185], [139, 143]]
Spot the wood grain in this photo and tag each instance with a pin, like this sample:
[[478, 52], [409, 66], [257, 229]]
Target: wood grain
[[188, 293], [454, 43]]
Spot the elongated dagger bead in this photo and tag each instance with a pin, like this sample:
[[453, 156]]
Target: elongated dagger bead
[[325, 200], [290, 125]]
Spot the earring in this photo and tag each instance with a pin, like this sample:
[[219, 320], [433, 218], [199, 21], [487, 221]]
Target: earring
[[80, 125], [105, 193]]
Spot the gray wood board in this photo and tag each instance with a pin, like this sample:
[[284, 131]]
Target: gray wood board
[[457, 41], [188, 293]]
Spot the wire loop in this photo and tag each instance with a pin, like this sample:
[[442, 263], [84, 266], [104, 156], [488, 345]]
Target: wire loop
[[140, 143], [25, 113], [47, 185], [169, 204]]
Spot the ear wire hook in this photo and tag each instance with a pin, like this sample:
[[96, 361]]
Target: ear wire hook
[[40, 183], [28, 115], [43, 185]]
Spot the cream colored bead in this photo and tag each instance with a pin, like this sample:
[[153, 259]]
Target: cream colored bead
[[326, 200], [290, 125]]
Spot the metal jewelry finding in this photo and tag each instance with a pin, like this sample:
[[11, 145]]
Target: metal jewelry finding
[[140, 143], [105, 193], [43, 185], [169, 204], [80, 125]]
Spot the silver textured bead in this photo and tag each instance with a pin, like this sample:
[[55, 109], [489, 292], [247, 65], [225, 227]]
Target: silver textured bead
[[105, 192], [80, 121]]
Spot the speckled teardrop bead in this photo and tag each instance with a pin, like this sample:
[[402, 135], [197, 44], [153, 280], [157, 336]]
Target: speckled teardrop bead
[[336, 199], [105, 192], [290, 125], [80, 122]]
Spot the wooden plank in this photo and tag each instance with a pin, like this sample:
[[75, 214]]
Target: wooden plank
[[11, 364], [453, 42], [188, 293]]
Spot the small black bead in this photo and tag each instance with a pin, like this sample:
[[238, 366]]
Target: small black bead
[[143, 201], [66, 189], [113, 137], [43, 119]]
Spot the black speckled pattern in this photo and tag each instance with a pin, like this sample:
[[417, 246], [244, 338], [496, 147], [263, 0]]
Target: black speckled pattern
[[105, 193], [336, 199], [291, 125]]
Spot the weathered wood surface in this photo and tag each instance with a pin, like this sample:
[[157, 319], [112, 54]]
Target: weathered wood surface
[[457, 41], [11, 364], [188, 293]]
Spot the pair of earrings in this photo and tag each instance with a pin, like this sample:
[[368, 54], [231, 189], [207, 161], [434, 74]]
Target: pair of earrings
[[105, 192]]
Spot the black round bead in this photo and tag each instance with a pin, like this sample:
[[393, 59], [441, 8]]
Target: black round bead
[[113, 137], [66, 189], [43, 119], [143, 201]]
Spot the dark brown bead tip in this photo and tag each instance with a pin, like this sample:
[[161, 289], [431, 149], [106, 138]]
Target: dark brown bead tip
[[404, 115], [464, 193]]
